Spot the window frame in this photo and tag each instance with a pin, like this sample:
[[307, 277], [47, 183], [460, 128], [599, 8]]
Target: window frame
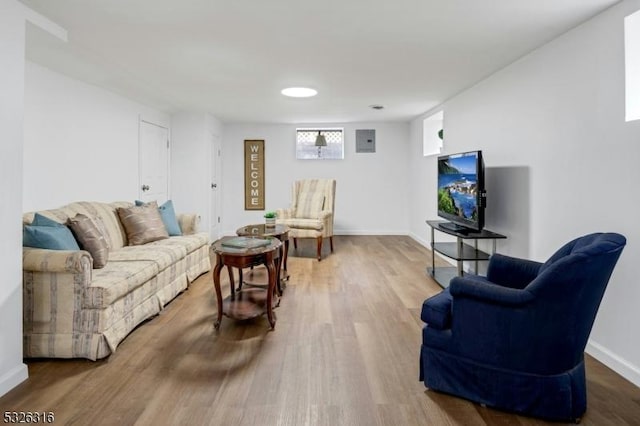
[[431, 142], [304, 148]]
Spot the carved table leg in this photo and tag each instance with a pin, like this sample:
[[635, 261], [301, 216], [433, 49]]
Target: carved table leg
[[216, 285]]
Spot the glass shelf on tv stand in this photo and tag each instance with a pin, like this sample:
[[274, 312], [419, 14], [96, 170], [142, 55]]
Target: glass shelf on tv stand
[[458, 251]]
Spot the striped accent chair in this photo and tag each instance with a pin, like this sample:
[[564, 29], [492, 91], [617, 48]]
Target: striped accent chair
[[311, 211]]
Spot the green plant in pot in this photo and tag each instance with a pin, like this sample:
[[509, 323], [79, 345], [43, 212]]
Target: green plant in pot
[[270, 219]]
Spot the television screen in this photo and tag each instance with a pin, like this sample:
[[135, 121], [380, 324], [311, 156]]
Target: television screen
[[461, 190]]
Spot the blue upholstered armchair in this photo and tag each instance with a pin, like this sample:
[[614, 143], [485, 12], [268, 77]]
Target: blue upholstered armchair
[[515, 340]]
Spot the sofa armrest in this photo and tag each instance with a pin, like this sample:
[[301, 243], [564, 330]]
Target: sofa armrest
[[188, 223], [42, 260]]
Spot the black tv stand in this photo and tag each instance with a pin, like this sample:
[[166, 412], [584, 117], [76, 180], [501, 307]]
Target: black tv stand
[[459, 229], [458, 251]]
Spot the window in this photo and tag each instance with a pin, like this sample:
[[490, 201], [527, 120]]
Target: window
[[433, 134], [632, 65], [306, 148]]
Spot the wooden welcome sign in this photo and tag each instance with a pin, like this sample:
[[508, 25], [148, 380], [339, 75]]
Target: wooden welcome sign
[[254, 175]]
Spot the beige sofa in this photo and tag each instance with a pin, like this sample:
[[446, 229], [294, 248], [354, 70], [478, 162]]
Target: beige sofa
[[74, 311]]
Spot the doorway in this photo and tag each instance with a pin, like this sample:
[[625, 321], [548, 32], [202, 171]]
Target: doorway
[[153, 149], [214, 198]]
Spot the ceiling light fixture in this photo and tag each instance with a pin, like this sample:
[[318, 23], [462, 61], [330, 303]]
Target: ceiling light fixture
[[299, 92]]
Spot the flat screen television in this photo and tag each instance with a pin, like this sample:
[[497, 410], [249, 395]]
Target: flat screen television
[[461, 192]]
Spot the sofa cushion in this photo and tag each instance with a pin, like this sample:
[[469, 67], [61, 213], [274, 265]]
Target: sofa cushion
[[142, 224], [46, 233], [190, 242], [309, 204], [162, 255], [436, 310], [116, 280], [90, 239]]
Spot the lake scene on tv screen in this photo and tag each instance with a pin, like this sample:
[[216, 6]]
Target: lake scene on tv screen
[[458, 186]]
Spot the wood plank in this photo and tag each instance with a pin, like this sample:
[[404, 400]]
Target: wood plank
[[344, 352]]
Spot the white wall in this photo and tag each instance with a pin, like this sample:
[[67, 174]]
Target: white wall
[[371, 188], [12, 36], [191, 134], [561, 162], [80, 141]]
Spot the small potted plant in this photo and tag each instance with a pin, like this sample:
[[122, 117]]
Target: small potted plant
[[270, 219]]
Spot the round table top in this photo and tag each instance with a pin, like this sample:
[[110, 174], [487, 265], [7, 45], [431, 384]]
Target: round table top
[[220, 246], [262, 230]]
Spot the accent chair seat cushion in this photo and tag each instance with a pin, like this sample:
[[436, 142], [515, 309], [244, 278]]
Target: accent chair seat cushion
[[314, 224]]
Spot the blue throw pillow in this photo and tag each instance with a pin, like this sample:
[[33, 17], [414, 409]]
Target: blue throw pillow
[[40, 220], [48, 234], [168, 215]]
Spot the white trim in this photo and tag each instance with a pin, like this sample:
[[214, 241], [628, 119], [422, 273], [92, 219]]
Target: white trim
[[13, 378], [616, 363], [420, 241], [44, 23]]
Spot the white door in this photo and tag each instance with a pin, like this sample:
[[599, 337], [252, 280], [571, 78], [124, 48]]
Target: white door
[[214, 198], [154, 163]]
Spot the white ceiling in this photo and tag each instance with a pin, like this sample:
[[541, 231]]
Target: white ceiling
[[232, 57]]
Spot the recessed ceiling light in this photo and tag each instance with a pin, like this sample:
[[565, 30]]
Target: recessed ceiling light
[[299, 92], [378, 107]]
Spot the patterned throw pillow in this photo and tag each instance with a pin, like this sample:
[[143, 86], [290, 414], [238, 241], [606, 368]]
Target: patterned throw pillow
[[168, 215], [90, 238], [142, 224]]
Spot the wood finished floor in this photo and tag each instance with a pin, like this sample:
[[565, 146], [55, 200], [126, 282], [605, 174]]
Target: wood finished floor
[[344, 352]]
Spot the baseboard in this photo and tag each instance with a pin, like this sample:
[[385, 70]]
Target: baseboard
[[420, 241], [13, 378], [614, 362]]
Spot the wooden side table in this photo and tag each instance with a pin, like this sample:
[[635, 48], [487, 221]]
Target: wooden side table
[[278, 231], [252, 302]]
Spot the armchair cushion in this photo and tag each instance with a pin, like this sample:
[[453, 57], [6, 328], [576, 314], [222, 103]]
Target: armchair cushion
[[310, 204], [296, 223], [436, 310]]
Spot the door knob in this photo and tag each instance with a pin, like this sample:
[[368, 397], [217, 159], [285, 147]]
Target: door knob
[[145, 187]]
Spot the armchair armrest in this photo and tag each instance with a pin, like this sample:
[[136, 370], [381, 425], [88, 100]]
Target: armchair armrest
[[512, 272], [480, 289], [188, 223], [66, 261], [324, 214]]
